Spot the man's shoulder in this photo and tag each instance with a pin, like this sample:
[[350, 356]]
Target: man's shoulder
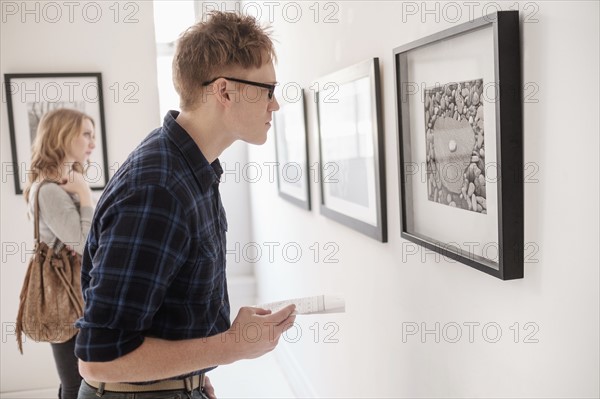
[[155, 149], [153, 161]]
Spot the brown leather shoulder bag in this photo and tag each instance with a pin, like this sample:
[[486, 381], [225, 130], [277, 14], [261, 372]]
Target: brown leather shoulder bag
[[51, 299]]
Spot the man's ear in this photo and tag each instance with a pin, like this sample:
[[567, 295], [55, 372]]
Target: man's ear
[[222, 94]]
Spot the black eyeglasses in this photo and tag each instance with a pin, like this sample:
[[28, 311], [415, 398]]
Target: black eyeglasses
[[269, 87]]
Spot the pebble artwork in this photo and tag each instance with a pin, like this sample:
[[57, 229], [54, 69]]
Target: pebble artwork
[[456, 145]]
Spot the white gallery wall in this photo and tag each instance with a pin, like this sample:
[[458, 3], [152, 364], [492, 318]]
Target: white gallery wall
[[474, 335], [107, 37]]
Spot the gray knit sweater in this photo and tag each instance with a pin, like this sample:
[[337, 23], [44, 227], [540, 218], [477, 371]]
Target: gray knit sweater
[[61, 217]]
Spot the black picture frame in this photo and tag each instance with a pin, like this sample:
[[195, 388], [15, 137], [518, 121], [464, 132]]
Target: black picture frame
[[30, 95], [429, 73], [351, 148], [291, 151]]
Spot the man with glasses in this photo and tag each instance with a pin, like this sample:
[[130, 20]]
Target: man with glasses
[[156, 317]]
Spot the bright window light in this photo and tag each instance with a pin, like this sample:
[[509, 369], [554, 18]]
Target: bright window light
[[171, 18]]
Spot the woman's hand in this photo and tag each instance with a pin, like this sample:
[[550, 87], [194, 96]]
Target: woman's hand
[[75, 184]]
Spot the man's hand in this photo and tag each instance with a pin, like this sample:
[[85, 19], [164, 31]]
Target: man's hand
[[208, 389], [256, 331]]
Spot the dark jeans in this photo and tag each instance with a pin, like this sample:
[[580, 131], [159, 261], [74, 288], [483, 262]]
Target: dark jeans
[[66, 364]]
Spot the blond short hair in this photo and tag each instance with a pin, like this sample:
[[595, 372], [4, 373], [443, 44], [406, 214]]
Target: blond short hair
[[226, 40]]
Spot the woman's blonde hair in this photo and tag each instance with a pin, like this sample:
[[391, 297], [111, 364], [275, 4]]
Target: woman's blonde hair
[[206, 49], [55, 133]]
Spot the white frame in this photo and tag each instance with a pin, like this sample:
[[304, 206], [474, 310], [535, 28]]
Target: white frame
[[352, 91]]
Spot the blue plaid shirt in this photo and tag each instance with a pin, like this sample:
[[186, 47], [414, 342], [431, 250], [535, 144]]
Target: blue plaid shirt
[[154, 262]]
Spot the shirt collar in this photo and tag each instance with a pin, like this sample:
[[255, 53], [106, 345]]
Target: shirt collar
[[206, 174]]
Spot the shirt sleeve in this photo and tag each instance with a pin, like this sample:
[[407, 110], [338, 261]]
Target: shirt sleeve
[[58, 211], [136, 247]]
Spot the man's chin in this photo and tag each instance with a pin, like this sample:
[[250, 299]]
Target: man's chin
[[257, 140]]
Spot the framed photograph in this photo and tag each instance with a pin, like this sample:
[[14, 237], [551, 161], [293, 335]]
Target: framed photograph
[[459, 113], [29, 96], [291, 143], [351, 156]]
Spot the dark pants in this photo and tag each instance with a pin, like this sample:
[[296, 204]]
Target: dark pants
[[68, 372]]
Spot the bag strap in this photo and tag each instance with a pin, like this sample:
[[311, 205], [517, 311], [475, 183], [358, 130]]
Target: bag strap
[[36, 213], [36, 217]]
